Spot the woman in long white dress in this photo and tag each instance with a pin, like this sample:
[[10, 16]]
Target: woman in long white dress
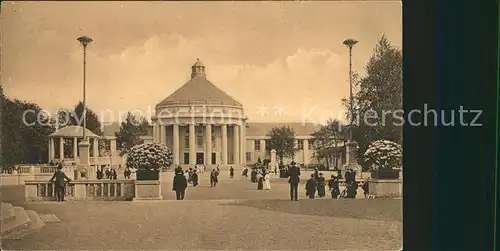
[[267, 181]]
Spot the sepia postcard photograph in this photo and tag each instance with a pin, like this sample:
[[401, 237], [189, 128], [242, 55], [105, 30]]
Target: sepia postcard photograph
[[201, 125]]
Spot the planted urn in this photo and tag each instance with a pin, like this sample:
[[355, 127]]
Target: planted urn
[[385, 159], [149, 159]]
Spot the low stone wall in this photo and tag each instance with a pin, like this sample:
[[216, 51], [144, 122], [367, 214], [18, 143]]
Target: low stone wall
[[36, 190], [19, 179]]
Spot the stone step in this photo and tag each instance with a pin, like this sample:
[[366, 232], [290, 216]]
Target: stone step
[[35, 224], [7, 213], [21, 221]]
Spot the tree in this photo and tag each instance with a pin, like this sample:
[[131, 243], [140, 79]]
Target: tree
[[380, 91], [130, 131], [327, 139], [93, 123], [24, 129], [283, 141]]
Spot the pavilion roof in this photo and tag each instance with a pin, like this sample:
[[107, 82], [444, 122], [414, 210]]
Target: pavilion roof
[[73, 131]]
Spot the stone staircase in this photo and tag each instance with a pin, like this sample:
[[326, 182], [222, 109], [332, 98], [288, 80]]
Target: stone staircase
[[16, 222]]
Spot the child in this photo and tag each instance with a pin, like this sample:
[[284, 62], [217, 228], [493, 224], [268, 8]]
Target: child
[[311, 185]]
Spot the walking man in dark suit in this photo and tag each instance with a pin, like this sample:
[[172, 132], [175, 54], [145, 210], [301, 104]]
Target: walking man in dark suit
[[59, 184], [294, 179]]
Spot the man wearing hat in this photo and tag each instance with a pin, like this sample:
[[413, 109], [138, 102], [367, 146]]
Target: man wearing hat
[[59, 184], [294, 179]]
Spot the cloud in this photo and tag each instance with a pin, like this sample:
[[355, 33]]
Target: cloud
[[140, 76]]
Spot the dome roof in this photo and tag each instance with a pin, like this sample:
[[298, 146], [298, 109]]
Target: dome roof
[[73, 131], [199, 90]]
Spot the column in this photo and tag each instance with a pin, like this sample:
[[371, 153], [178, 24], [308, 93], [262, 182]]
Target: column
[[61, 148], [51, 149], [113, 147], [236, 144], [224, 144], [155, 129], [296, 151], [192, 144], [175, 144], [96, 148], [75, 148], [262, 150], [208, 140], [218, 144], [163, 134], [306, 152], [243, 143]]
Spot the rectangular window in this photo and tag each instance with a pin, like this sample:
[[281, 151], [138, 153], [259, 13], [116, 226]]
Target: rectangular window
[[268, 145], [311, 144], [256, 145], [249, 157], [186, 142], [187, 129], [300, 144], [199, 141]]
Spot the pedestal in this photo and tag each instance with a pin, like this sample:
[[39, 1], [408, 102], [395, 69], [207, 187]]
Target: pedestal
[[392, 188], [82, 170], [351, 159], [147, 190], [273, 158]]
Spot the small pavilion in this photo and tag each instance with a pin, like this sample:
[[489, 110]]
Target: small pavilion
[[71, 135]]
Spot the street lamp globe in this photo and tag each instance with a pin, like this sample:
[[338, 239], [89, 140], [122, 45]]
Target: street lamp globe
[[85, 40], [350, 42]]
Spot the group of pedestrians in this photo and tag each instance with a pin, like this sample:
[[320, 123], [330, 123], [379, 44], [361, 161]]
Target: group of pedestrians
[[109, 173], [316, 184], [182, 179], [259, 175]]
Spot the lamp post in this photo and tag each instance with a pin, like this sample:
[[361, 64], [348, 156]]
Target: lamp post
[[351, 145], [350, 43], [84, 145], [84, 41]]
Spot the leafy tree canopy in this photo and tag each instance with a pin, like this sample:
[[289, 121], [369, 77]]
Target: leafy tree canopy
[[328, 136], [130, 131], [24, 129], [283, 141]]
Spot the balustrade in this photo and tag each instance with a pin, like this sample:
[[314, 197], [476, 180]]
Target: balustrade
[[82, 190]]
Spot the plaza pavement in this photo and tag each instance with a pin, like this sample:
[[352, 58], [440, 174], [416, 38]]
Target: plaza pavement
[[232, 216]]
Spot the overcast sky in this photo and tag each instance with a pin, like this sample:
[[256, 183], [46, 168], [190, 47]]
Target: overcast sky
[[260, 53]]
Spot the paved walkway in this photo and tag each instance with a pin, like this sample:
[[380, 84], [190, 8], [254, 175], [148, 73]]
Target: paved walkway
[[232, 216]]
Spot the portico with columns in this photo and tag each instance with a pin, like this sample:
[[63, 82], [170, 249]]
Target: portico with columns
[[201, 124], [63, 147]]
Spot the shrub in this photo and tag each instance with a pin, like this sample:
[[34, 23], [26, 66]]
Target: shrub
[[149, 156], [384, 154]]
